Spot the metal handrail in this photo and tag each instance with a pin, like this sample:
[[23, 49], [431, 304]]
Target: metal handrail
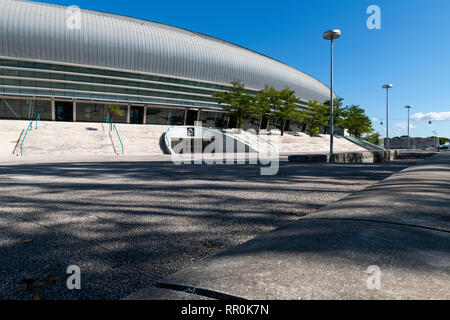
[[367, 140], [115, 128], [108, 121], [168, 141], [364, 144], [30, 127], [38, 118]]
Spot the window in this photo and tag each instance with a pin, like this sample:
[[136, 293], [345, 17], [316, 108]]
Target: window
[[165, 116], [213, 119], [21, 109]]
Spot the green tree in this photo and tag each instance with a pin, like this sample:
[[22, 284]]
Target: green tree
[[337, 114], [356, 121], [265, 102], [314, 117], [287, 107], [237, 101], [443, 140], [115, 111], [374, 137]]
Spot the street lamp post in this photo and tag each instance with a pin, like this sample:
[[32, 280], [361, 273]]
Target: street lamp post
[[387, 87], [408, 107], [331, 35]]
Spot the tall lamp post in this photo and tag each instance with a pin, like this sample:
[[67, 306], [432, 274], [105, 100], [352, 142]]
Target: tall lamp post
[[331, 35], [387, 87], [408, 107]]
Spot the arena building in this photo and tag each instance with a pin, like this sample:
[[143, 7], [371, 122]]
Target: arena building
[[67, 64]]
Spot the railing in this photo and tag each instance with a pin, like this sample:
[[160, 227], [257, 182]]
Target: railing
[[120, 140], [30, 127], [365, 144], [246, 141], [169, 138], [108, 121], [234, 136]]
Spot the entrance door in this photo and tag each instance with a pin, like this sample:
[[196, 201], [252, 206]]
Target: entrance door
[[191, 117], [136, 115], [63, 111]]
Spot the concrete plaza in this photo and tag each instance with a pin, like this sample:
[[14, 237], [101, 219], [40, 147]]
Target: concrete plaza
[[130, 223]]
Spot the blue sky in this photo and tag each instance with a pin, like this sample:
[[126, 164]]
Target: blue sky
[[411, 50]]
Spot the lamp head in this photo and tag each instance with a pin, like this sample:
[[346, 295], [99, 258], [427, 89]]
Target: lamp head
[[387, 86], [408, 107], [332, 34]]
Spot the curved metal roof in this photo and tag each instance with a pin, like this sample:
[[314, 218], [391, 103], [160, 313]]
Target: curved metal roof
[[39, 31]]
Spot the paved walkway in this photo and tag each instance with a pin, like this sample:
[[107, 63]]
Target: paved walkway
[[128, 222], [401, 226]]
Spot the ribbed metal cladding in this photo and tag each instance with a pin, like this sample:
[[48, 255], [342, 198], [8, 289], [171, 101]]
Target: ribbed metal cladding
[[38, 31]]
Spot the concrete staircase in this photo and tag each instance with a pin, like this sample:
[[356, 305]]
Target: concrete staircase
[[303, 143], [140, 139], [299, 143], [11, 133], [64, 139], [55, 139]]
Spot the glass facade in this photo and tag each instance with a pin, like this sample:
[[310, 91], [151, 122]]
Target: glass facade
[[41, 79], [21, 109], [180, 99], [165, 116], [213, 119], [95, 112]]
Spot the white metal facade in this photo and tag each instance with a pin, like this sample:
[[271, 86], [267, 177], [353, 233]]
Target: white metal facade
[[36, 31]]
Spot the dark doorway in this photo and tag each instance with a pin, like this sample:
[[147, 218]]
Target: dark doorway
[[287, 125], [136, 115], [191, 117], [264, 123], [232, 123], [63, 111]]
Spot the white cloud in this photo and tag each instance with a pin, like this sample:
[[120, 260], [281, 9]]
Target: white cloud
[[374, 119], [404, 125], [433, 116]]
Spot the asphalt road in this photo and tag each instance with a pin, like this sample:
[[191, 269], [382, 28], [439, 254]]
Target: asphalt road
[[128, 224]]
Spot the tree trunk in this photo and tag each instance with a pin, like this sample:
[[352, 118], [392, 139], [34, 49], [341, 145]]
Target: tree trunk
[[283, 123], [239, 122]]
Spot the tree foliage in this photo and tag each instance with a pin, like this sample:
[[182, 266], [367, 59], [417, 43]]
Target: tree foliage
[[115, 111], [356, 121], [314, 117], [237, 101], [286, 109], [282, 105], [338, 113], [265, 102], [374, 137]]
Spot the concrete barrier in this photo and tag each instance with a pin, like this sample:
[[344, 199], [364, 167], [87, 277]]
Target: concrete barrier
[[347, 157], [308, 158]]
